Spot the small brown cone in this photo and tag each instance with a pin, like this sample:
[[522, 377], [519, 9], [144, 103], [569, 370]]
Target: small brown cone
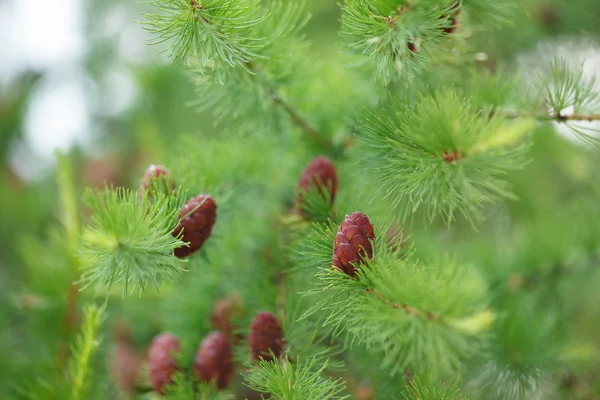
[[320, 174], [265, 337], [353, 243], [224, 311], [124, 360], [198, 216], [161, 360], [157, 179], [214, 360]]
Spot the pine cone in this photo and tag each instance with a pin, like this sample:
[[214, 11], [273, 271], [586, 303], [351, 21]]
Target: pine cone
[[157, 179], [319, 174], [265, 337], [198, 216], [124, 360], [214, 360], [223, 312], [162, 361], [353, 243]]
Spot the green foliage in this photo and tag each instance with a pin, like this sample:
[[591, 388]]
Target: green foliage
[[566, 91], [253, 98], [413, 314], [511, 311], [217, 32], [83, 350], [397, 36], [185, 387], [430, 389], [80, 378], [442, 153], [292, 380], [130, 240]]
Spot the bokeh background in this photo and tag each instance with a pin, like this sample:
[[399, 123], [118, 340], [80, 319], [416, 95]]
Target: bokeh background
[[78, 76]]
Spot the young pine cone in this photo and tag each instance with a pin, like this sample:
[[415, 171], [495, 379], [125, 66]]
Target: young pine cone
[[319, 174], [198, 216], [124, 360], [265, 337], [161, 359], [223, 312], [157, 179], [353, 243], [214, 360]]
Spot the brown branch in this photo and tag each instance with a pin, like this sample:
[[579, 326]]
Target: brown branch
[[549, 117], [297, 118], [404, 307], [69, 323], [300, 121]]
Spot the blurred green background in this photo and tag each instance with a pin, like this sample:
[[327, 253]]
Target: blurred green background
[[78, 76]]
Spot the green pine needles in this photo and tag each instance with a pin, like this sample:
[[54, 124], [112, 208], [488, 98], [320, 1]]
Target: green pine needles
[[465, 265], [442, 153], [294, 380], [130, 241], [441, 304], [217, 32]]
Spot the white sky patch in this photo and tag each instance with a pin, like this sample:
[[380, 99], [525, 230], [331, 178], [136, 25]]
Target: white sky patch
[[39, 34]]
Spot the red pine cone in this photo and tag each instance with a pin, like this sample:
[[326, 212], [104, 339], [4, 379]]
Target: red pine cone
[[162, 361], [353, 243], [265, 337], [124, 360], [157, 179], [319, 174], [223, 312], [214, 360], [198, 216]]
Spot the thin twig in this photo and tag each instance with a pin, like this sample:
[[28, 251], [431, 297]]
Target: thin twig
[[297, 118], [406, 308], [549, 117], [300, 121], [69, 323]]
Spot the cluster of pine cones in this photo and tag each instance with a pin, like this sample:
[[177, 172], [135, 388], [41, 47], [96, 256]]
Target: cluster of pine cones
[[214, 358], [354, 244]]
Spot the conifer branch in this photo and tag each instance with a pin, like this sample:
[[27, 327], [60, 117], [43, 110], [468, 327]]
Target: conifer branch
[[301, 122], [300, 380], [71, 224], [295, 115], [130, 241], [84, 348], [558, 117]]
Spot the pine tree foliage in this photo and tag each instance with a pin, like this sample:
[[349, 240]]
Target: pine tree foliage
[[483, 278], [428, 389], [294, 380], [397, 35], [440, 152], [184, 387], [393, 295], [131, 241], [567, 93], [79, 379]]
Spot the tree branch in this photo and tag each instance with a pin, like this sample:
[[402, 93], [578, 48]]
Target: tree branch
[[297, 118], [558, 117], [406, 308]]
